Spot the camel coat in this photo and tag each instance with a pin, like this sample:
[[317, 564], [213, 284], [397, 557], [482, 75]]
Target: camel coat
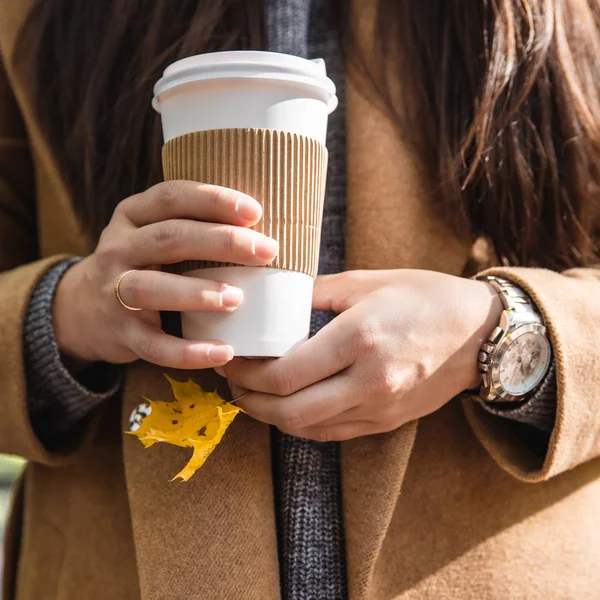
[[454, 507]]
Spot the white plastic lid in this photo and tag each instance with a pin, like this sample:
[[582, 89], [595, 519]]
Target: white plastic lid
[[249, 64]]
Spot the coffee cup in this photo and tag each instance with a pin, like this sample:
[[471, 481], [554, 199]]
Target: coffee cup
[[256, 122]]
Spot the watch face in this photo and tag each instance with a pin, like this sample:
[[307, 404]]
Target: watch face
[[524, 363]]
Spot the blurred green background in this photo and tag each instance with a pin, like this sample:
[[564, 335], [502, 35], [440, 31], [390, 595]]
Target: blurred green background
[[10, 469]]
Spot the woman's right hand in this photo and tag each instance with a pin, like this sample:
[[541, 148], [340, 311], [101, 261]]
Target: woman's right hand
[[171, 222]]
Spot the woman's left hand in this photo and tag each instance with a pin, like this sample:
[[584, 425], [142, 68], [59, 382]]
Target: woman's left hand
[[404, 344]]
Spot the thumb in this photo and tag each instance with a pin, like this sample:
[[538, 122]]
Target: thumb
[[326, 293], [341, 291]]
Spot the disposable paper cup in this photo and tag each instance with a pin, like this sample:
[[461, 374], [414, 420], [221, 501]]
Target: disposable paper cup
[[257, 122]]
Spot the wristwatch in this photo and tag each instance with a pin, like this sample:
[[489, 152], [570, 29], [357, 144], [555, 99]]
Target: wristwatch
[[517, 356]]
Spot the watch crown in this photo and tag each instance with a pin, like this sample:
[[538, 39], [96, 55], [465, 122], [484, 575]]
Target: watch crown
[[496, 335]]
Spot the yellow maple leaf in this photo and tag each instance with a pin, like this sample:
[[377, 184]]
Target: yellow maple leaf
[[196, 419]]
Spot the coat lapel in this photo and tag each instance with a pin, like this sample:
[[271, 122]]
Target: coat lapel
[[392, 224], [373, 469], [213, 536]]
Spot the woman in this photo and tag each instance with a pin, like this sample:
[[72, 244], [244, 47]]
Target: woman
[[470, 139]]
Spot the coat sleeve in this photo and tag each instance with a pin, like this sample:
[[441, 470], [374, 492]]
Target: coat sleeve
[[570, 304], [20, 271]]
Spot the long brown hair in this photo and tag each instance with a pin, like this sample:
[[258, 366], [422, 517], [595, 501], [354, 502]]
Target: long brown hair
[[93, 66], [503, 104]]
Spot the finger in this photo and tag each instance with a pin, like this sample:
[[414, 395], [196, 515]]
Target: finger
[[303, 409], [153, 345], [341, 291], [324, 355], [178, 240], [338, 433], [154, 290], [191, 200], [238, 394]]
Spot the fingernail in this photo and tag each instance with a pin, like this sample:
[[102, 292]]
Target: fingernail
[[220, 354], [266, 247], [248, 209], [232, 296]]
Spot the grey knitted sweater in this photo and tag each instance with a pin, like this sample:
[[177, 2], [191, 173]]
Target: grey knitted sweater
[[307, 474]]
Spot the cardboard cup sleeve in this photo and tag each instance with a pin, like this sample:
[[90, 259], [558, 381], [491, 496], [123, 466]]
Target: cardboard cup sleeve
[[284, 171]]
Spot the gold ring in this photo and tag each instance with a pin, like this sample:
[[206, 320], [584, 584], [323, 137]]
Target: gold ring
[[118, 293]]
